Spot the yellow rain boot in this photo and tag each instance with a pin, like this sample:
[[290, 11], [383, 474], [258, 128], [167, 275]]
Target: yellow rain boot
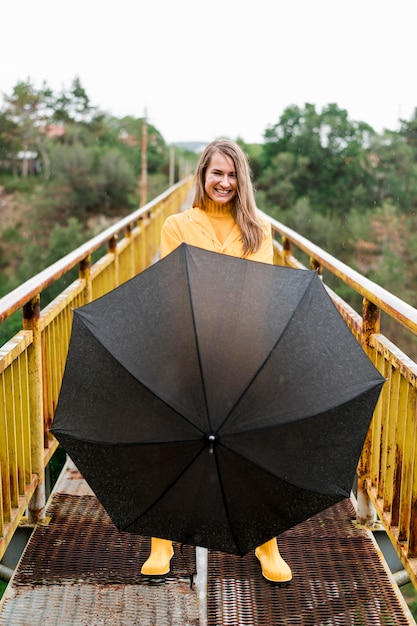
[[158, 562], [273, 566]]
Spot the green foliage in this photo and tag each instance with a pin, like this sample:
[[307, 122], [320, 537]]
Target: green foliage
[[35, 257], [116, 179], [319, 155], [85, 180], [91, 166], [395, 171], [283, 180], [394, 261], [56, 465], [156, 185], [62, 240], [327, 231], [350, 191], [340, 165], [8, 137], [73, 105], [3, 586], [410, 594], [72, 179], [10, 327], [409, 132], [12, 235], [15, 184], [28, 109], [129, 139]]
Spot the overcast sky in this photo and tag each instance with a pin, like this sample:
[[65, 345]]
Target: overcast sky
[[202, 70]]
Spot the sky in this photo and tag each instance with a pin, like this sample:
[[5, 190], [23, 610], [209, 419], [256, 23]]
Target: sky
[[220, 68]]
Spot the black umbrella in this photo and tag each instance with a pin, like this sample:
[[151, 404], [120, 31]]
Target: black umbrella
[[215, 401]]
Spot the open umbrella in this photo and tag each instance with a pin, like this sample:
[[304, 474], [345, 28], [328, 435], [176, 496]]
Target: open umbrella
[[215, 401]]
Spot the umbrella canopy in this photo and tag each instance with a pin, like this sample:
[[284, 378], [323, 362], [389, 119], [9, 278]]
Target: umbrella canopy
[[215, 401]]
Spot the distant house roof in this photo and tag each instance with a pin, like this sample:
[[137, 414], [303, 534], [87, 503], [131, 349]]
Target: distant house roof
[[129, 140], [26, 154], [55, 130]]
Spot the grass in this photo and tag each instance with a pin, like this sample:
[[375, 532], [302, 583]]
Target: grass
[[410, 595]]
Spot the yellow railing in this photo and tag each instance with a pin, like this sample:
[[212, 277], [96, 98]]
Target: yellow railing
[[32, 362], [32, 365], [387, 472]]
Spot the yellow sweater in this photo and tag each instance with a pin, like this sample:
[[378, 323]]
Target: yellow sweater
[[213, 229]]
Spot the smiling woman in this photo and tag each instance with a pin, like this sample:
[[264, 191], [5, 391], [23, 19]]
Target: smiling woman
[[224, 217]]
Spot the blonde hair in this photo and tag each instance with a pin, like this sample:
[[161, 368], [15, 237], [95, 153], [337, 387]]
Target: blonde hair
[[244, 209]]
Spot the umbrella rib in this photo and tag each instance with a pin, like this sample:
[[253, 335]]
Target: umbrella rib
[[86, 324], [235, 538], [168, 487], [256, 428], [261, 366], [198, 346]]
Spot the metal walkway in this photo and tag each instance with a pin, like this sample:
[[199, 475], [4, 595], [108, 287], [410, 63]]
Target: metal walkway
[[80, 571]]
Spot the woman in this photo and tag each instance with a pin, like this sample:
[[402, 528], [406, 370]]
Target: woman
[[224, 219]]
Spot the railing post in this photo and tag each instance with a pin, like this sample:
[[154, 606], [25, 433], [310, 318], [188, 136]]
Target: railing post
[[31, 318], [366, 514], [84, 273], [286, 250], [316, 266], [129, 238], [142, 244], [113, 250], [371, 322]]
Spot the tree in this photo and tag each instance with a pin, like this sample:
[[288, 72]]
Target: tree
[[116, 179], [395, 168], [283, 180], [9, 143], [328, 154], [74, 183], [130, 137], [73, 106], [409, 132], [28, 109]]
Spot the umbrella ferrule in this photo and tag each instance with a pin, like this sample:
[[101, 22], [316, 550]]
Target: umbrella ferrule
[[211, 440]]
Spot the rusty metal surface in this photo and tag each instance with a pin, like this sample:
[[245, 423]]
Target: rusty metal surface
[[101, 605], [338, 578], [82, 544], [80, 571]]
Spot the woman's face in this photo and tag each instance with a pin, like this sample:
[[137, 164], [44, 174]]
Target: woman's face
[[221, 179]]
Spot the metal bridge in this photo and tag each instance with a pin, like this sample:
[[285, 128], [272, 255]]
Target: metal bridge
[[77, 569]]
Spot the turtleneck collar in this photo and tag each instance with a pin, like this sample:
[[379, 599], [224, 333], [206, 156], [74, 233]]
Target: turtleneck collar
[[215, 209]]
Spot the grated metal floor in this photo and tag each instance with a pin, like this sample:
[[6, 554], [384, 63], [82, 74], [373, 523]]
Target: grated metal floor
[[80, 571], [338, 578]]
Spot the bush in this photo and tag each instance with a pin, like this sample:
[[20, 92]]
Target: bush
[[14, 184], [116, 178], [86, 182], [73, 182], [12, 235]]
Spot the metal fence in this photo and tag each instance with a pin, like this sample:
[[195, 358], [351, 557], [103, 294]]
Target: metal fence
[[32, 365], [387, 471]]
